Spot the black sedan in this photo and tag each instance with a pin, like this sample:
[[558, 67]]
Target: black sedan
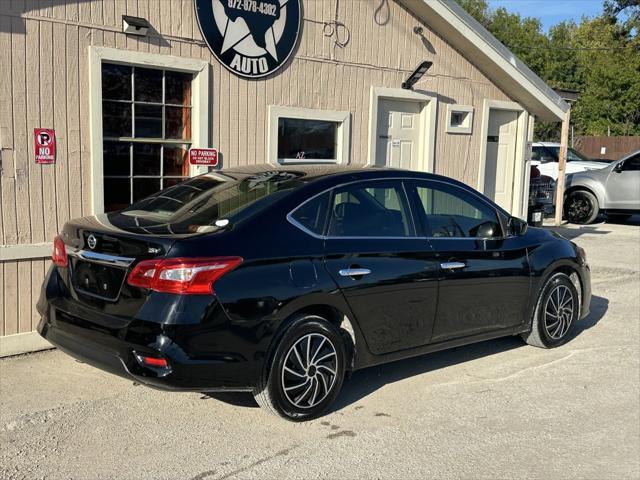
[[282, 281]]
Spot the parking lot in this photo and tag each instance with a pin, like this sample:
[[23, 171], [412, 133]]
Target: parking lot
[[499, 409]]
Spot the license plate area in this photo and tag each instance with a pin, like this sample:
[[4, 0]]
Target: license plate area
[[97, 280]]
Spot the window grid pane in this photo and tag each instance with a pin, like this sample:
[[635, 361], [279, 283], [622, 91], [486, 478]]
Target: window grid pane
[[122, 110]]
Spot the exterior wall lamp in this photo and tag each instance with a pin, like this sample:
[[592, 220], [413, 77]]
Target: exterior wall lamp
[[135, 25], [416, 75]]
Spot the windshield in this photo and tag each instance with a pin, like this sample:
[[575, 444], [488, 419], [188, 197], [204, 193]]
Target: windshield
[[572, 155], [195, 205]]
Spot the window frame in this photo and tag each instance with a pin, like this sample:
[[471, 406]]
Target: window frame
[[200, 124], [467, 126], [422, 219], [343, 133]]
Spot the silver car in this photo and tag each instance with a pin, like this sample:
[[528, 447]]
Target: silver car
[[614, 190]]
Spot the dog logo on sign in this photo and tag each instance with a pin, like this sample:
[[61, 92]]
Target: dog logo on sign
[[251, 38]]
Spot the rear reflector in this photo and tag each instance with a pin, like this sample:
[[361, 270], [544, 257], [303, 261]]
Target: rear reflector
[[154, 362], [59, 255], [185, 276]]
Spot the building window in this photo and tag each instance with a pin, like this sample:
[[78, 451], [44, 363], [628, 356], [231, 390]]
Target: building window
[[300, 139], [299, 135], [459, 119], [146, 129]]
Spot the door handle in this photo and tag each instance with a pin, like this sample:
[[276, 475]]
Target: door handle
[[452, 265], [354, 272]]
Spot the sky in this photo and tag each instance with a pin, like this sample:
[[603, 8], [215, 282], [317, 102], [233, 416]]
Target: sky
[[551, 12]]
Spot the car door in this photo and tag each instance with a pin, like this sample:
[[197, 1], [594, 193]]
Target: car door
[[387, 273], [484, 276], [623, 185]]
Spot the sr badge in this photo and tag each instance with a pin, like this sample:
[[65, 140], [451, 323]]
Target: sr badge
[[252, 38]]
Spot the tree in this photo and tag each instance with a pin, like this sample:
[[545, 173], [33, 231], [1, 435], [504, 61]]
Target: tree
[[479, 9], [612, 8], [609, 64], [599, 57]]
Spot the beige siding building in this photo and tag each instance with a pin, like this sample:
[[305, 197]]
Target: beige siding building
[[126, 108]]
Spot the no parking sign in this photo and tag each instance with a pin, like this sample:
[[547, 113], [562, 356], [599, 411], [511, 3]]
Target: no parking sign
[[44, 140]]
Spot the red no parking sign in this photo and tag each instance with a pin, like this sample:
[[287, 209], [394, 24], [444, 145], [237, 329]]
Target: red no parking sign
[[44, 140]]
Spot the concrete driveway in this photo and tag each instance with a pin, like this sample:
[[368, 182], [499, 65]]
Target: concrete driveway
[[499, 409]]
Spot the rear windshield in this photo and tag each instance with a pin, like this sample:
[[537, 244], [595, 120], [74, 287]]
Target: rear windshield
[[196, 204]]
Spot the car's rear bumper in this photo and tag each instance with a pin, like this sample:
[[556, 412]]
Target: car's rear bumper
[[195, 353], [180, 375]]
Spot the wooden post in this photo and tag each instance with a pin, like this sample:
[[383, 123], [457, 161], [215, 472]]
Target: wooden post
[[562, 166]]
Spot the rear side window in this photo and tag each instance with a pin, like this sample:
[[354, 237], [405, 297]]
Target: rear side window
[[313, 214], [370, 209], [451, 212]]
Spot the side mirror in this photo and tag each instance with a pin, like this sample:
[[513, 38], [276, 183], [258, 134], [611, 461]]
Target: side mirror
[[516, 227], [618, 167]]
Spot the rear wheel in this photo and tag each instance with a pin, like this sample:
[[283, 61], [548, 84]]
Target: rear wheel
[[558, 308], [581, 207], [306, 371]]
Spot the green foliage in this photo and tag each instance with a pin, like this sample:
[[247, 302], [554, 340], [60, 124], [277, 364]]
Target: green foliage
[[479, 9], [599, 57]]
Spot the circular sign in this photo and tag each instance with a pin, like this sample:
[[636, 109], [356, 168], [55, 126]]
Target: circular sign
[[251, 38]]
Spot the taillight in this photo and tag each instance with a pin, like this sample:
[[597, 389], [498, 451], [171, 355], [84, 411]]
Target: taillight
[[59, 255], [188, 276]]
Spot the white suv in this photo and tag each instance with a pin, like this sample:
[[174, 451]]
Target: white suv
[[545, 155]]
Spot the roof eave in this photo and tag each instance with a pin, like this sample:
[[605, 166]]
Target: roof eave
[[495, 60]]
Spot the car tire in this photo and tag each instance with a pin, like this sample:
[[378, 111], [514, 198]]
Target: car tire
[[581, 207], [550, 326], [306, 371]]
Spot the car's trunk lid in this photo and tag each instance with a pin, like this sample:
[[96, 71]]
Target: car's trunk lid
[[101, 255]]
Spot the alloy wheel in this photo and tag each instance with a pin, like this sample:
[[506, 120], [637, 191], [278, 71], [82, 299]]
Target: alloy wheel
[[578, 209], [559, 311], [309, 370]]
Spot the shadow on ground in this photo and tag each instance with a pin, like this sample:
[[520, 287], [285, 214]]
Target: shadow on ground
[[633, 220], [571, 231], [364, 382]]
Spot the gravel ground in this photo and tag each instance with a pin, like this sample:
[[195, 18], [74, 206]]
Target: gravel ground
[[498, 409]]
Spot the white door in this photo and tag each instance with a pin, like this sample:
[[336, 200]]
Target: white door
[[398, 134], [501, 157]]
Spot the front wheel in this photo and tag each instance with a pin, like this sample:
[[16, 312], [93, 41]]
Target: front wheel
[[581, 207], [306, 371], [557, 309]]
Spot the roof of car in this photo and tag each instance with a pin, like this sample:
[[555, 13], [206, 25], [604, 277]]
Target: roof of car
[[309, 173], [332, 173]]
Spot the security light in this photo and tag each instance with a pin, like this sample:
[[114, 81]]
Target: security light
[[416, 75], [135, 25]]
